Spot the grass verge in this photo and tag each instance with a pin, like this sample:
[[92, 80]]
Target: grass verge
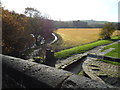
[[81, 49], [115, 52], [107, 61]]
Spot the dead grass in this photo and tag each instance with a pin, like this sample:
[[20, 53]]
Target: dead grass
[[72, 36]]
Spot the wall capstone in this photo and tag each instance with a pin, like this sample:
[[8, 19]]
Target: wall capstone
[[19, 73]]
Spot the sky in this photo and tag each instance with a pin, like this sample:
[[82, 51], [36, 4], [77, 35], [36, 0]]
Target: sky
[[67, 10]]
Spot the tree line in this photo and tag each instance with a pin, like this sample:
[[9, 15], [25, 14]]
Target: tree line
[[21, 31], [76, 24]]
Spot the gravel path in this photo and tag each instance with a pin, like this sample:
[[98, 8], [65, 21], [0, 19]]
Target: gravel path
[[107, 51]]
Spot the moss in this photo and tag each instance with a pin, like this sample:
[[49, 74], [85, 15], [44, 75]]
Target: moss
[[80, 73]]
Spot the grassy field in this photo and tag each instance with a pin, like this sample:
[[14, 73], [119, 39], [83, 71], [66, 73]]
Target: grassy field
[[115, 52], [73, 36]]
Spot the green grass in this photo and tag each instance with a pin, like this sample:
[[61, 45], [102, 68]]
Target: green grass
[[110, 46], [83, 48], [107, 61], [115, 52], [80, 73]]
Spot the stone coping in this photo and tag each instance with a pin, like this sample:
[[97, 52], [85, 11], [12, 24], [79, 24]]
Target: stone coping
[[33, 75]]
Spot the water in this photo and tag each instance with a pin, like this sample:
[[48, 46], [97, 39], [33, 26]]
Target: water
[[36, 52], [54, 39]]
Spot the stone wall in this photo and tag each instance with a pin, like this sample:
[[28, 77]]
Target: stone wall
[[19, 73], [105, 57], [74, 63]]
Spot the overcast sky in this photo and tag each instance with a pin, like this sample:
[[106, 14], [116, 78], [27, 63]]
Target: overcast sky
[[102, 10]]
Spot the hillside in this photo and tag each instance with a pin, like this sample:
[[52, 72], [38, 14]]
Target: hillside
[[80, 24], [91, 22]]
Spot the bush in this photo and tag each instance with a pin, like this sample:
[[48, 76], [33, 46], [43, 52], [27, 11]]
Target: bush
[[107, 30]]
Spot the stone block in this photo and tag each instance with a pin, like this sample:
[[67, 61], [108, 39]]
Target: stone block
[[46, 76], [76, 82]]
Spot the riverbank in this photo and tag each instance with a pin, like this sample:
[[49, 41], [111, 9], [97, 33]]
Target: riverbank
[[34, 51]]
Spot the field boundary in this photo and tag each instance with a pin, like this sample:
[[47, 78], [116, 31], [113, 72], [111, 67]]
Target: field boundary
[[105, 57]]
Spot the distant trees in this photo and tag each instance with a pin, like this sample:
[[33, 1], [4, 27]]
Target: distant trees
[[107, 30], [76, 24], [118, 26], [71, 24], [80, 24]]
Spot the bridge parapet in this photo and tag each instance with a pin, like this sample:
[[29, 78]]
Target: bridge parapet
[[19, 73]]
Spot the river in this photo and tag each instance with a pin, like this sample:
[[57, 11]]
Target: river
[[36, 51]]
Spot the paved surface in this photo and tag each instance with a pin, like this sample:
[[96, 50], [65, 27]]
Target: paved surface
[[109, 73], [107, 51], [64, 62], [104, 72], [97, 51]]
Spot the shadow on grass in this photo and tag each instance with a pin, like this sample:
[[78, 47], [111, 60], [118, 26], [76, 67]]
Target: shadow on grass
[[114, 40]]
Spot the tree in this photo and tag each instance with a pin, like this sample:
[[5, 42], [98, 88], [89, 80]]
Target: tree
[[34, 22], [40, 26], [31, 12], [107, 30], [15, 34], [118, 26], [79, 24]]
